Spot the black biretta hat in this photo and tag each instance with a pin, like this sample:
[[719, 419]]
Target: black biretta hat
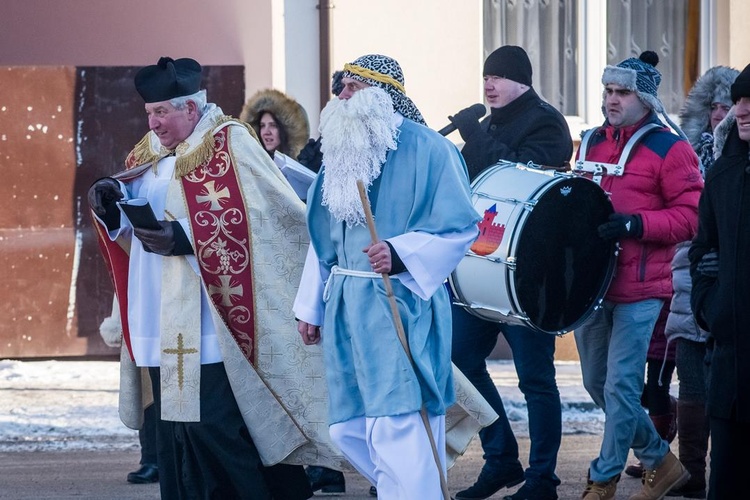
[[168, 79]]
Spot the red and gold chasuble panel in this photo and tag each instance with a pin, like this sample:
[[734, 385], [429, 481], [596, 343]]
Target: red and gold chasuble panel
[[219, 223]]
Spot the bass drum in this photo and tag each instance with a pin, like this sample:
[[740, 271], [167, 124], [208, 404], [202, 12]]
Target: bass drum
[[538, 260]]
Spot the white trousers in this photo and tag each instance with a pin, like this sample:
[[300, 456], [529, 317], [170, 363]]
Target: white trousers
[[394, 454]]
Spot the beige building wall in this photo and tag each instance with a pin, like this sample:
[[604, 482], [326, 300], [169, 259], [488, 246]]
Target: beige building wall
[[138, 32], [437, 42], [734, 33]]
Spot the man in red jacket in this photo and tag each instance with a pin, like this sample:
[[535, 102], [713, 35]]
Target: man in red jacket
[[654, 181]]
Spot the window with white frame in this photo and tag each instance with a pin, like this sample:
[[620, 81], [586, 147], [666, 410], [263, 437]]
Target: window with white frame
[[548, 31], [570, 41]]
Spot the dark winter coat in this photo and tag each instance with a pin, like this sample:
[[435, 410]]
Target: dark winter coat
[[662, 184], [722, 305], [525, 130]]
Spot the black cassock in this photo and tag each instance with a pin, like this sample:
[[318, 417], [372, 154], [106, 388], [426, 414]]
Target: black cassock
[[216, 457]]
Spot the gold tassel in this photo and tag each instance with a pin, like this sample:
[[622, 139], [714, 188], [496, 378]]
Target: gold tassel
[[189, 162], [142, 153], [184, 164], [201, 154]]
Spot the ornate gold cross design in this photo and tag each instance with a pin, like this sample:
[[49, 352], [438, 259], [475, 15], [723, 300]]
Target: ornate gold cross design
[[180, 352], [226, 290], [212, 195]]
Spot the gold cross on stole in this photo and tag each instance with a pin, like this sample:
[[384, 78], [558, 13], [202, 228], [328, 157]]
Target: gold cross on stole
[[180, 352]]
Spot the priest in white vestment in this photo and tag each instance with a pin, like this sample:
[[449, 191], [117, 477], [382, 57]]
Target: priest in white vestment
[[206, 292]]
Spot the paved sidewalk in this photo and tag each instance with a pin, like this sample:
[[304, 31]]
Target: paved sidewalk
[[100, 475], [60, 437]]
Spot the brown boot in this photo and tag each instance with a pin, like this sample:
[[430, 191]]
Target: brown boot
[[666, 427], [600, 491], [669, 474], [693, 448]]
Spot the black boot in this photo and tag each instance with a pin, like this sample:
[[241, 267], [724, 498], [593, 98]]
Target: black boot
[[491, 479], [148, 473], [693, 448], [326, 480]]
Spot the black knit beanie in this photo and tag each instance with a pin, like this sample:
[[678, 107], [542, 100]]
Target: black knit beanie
[[511, 62], [741, 86]]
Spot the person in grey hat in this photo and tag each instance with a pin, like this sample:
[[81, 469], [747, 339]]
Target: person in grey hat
[[523, 128], [654, 182], [203, 313], [720, 273]]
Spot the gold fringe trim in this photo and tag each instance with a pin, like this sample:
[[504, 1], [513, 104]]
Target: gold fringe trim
[[184, 164], [189, 162], [142, 153], [201, 154]]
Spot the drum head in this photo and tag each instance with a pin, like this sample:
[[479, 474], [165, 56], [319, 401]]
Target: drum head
[[563, 267]]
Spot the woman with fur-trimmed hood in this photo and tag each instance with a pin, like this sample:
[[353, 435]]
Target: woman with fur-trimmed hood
[[705, 106], [279, 121]]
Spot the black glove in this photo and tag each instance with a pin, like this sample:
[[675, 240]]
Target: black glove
[[102, 194], [621, 226], [310, 156], [466, 122], [709, 264], [158, 241]]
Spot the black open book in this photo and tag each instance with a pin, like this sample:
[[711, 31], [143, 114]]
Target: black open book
[[139, 213]]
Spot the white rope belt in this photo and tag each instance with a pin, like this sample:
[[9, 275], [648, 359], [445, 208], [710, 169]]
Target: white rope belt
[[336, 270]]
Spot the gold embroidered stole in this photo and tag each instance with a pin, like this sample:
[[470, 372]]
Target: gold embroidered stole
[[180, 337], [221, 241], [220, 227]]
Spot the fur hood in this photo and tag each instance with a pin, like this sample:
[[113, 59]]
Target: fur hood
[[722, 132], [288, 113], [713, 86]]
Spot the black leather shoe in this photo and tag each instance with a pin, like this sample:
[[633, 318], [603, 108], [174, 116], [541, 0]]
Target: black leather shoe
[[535, 489], [148, 473], [326, 480], [491, 480]]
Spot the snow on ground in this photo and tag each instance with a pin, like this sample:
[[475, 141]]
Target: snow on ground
[[61, 405], [72, 405]]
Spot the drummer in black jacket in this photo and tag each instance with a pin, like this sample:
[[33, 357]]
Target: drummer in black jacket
[[521, 128]]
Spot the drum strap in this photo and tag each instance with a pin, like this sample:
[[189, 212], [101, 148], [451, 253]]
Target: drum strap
[[600, 169], [336, 270]]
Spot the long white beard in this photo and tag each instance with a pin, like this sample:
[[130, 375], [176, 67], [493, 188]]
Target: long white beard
[[356, 135]]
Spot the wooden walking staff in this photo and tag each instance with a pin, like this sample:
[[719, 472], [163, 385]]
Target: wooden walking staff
[[402, 335]]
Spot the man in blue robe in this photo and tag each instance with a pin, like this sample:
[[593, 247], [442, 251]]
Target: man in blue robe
[[418, 188]]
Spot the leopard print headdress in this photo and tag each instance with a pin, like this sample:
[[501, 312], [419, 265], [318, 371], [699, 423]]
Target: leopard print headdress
[[384, 72]]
